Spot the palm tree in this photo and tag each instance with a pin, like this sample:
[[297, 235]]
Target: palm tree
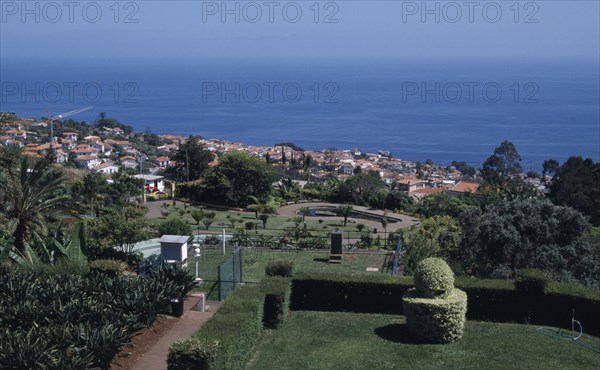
[[197, 215], [345, 210], [264, 219], [33, 191], [304, 211]]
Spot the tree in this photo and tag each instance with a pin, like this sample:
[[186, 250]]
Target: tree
[[465, 169], [510, 235], [345, 210], [174, 226], [124, 187], [398, 200], [191, 160], [577, 184], [264, 218], [120, 227], [32, 193], [92, 188], [197, 215], [502, 173], [237, 178], [549, 167], [356, 189]]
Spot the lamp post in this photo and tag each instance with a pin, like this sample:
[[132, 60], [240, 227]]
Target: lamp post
[[196, 255]]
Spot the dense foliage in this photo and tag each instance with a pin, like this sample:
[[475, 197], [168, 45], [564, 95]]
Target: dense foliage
[[512, 235], [56, 320], [577, 184], [237, 180]]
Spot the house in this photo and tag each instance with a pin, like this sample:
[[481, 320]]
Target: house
[[16, 143], [68, 144], [121, 144], [102, 147], [464, 187], [409, 185], [83, 150], [107, 167], [128, 161], [61, 156], [152, 182], [5, 139], [17, 134], [70, 135], [87, 161], [162, 161], [347, 169], [91, 138]]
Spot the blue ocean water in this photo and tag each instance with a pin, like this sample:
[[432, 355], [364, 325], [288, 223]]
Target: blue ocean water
[[440, 110]]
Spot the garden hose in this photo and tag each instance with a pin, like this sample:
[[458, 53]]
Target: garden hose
[[558, 334]]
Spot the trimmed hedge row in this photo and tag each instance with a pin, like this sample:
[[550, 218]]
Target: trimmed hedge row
[[227, 340], [489, 300], [277, 300]]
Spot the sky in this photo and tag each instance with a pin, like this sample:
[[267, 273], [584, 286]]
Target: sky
[[299, 29]]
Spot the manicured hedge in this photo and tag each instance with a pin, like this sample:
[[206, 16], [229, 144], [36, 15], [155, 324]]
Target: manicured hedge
[[489, 300], [227, 340], [277, 300]]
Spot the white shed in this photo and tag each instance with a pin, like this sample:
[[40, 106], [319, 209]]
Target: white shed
[[174, 248]]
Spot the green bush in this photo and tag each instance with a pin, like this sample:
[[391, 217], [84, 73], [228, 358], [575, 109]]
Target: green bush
[[282, 268], [533, 281], [435, 311], [434, 278], [175, 226], [436, 320], [235, 327], [193, 354], [109, 267], [277, 292]]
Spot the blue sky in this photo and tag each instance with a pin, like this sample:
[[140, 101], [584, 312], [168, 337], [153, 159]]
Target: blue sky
[[364, 29]]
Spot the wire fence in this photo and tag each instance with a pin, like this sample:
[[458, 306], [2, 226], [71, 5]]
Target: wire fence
[[230, 274]]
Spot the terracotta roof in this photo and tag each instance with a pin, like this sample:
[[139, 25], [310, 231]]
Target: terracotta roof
[[86, 158], [465, 186]]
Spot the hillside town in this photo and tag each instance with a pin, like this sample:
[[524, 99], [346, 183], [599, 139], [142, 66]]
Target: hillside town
[[106, 149]]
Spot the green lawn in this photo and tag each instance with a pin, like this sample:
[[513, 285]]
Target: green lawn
[[353, 264], [336, 340]]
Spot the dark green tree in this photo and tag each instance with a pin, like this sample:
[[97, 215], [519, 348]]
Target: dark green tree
[[237, 179], [510, 235], [577, 184], [191, 160], [175, 226]]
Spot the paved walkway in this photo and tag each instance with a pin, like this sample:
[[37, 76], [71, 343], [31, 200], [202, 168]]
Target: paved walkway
[[156, 356]]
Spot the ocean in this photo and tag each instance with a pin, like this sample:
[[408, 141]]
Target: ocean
[[442, 110]]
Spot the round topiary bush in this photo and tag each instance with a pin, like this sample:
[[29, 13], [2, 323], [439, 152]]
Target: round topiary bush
[[433, 277], [435, 311]]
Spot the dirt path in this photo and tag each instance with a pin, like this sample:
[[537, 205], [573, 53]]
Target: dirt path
[[191, 321]]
